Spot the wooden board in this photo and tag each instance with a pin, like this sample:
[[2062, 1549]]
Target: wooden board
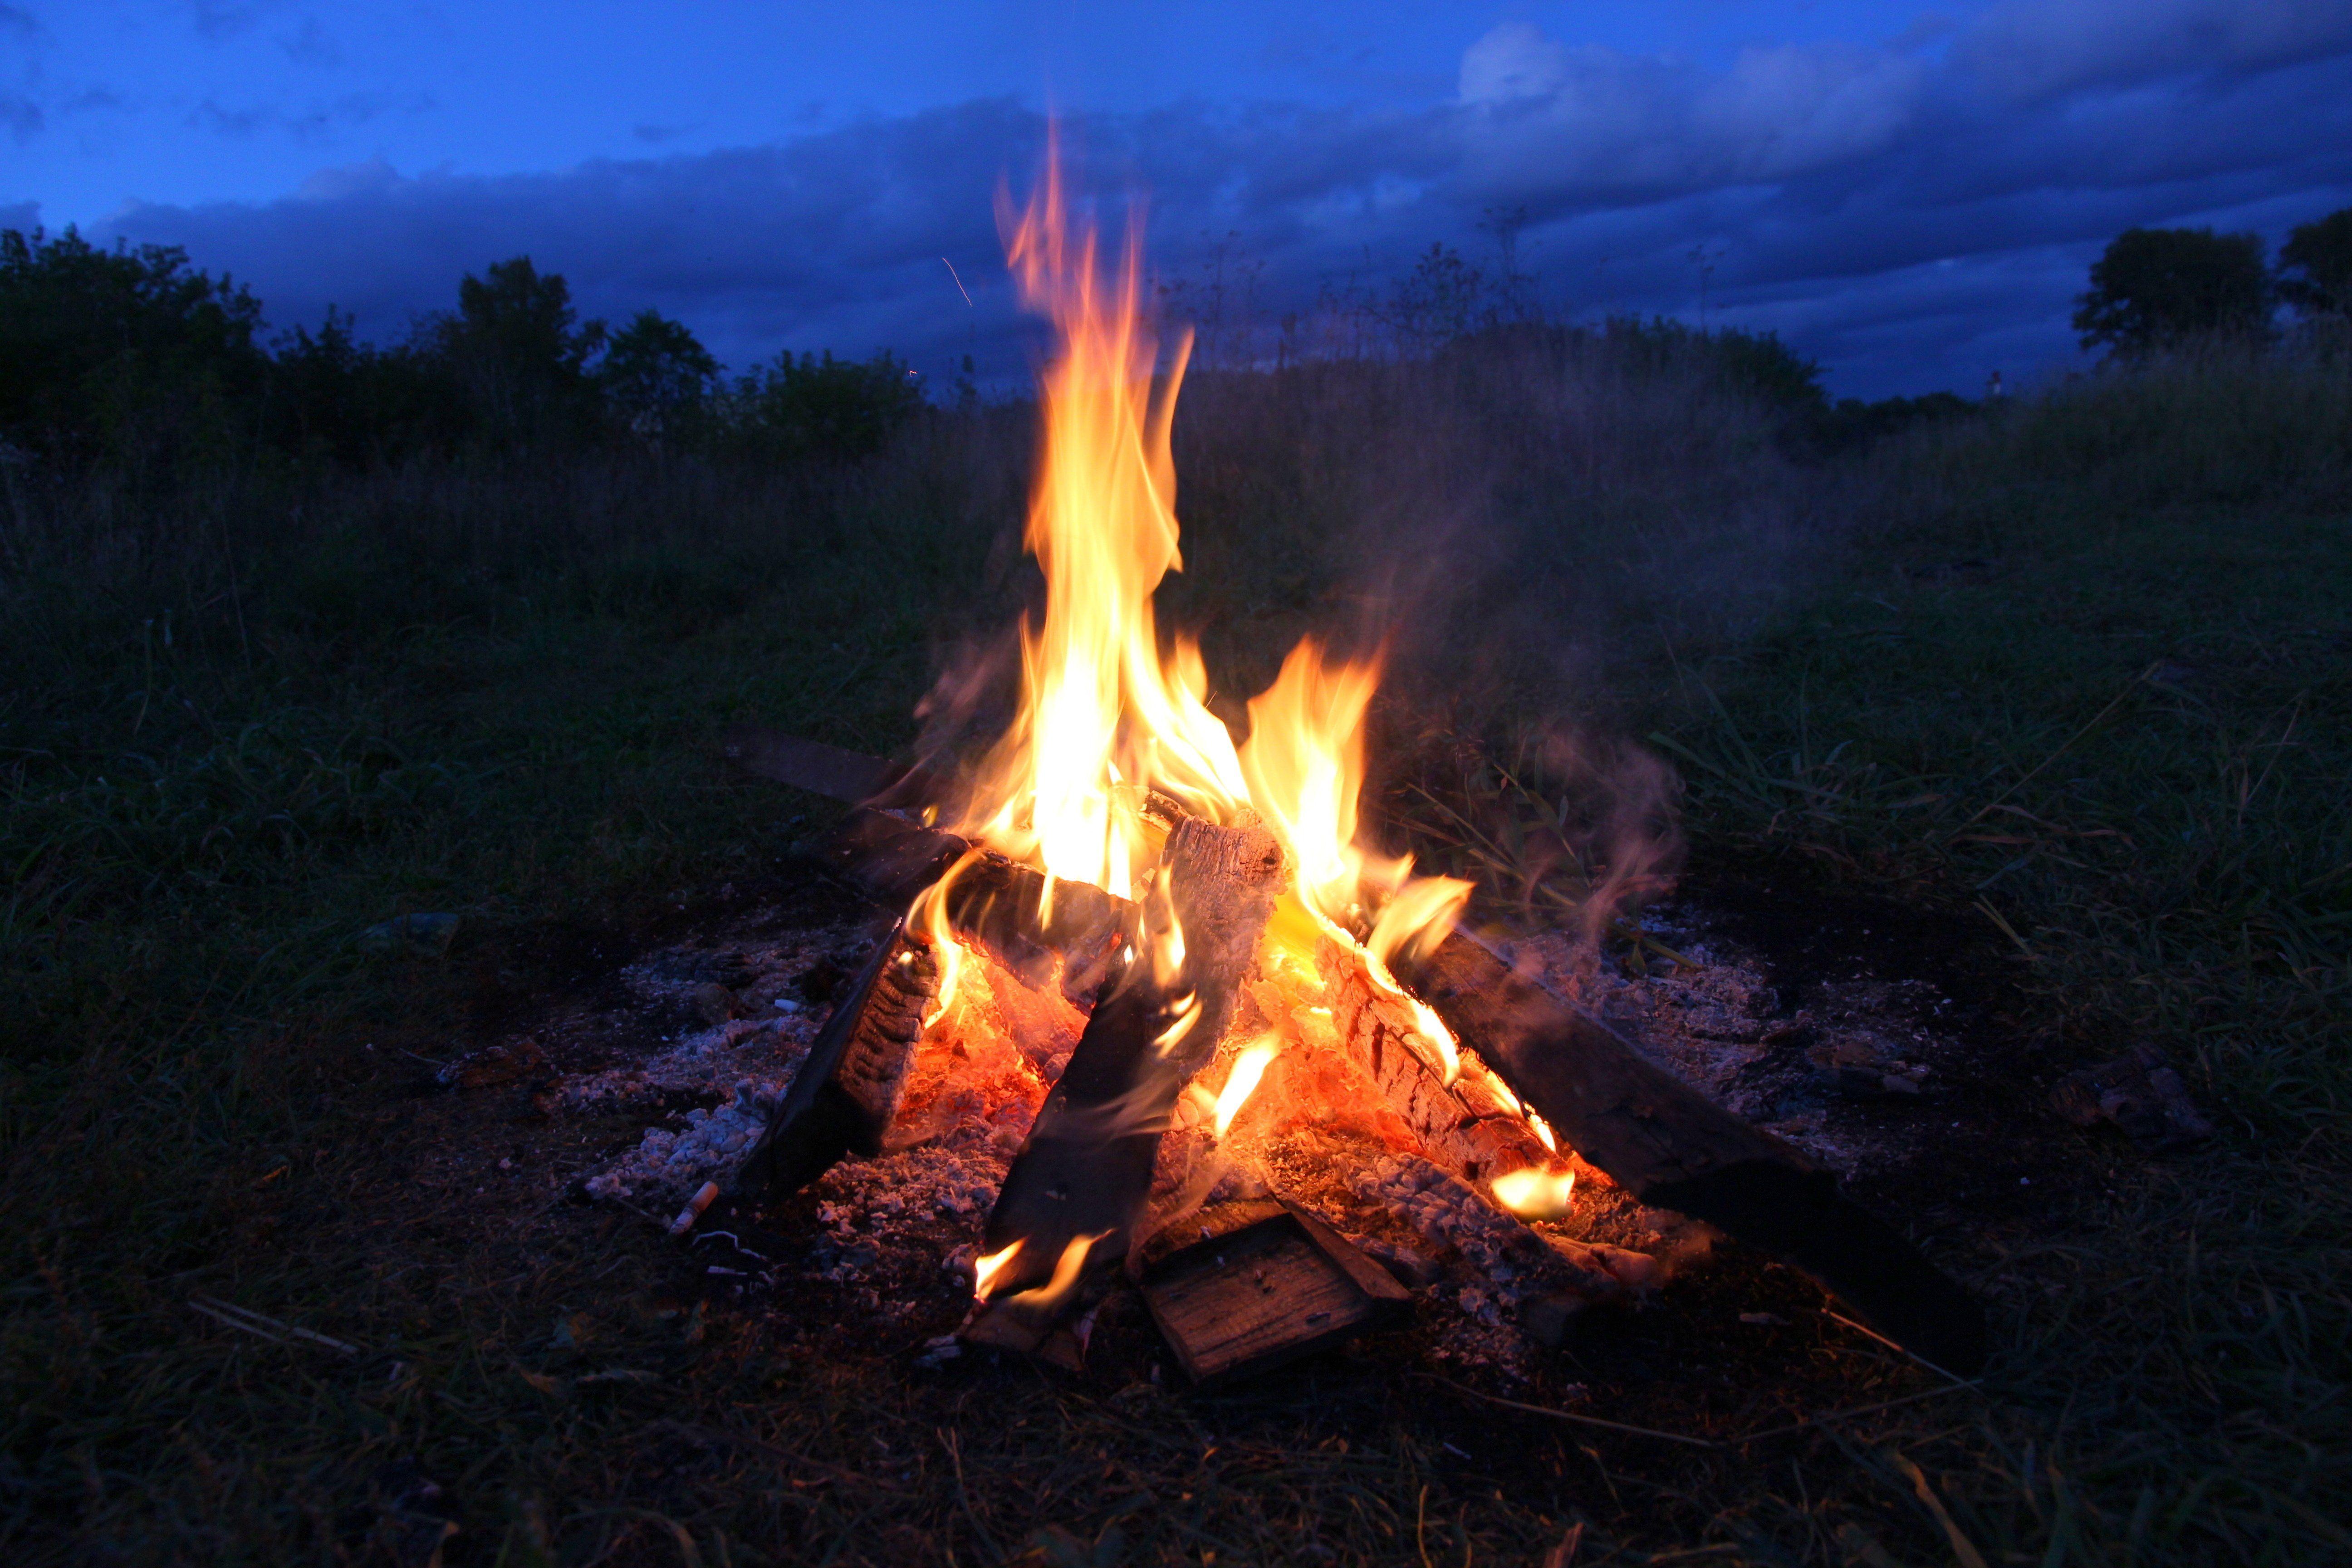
[[1675, 1149], [1282, 1287], [1085, 1170], [846, 1091]]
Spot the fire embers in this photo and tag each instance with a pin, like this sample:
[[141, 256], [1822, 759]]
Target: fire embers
[[1326, 1094]]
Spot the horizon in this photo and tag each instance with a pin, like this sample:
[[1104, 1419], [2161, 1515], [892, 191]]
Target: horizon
[[1911, 200]]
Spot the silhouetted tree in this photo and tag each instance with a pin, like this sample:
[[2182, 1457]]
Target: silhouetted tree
[[1439, 300], [2315, 266], [2156, 287], [657, 377], [125, 355], [821, 407], [516, 349]]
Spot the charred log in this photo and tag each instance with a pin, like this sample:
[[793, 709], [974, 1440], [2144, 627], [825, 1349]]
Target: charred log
[[841, 1101], [1675, 1149], [990, 901], [1085, 1171]]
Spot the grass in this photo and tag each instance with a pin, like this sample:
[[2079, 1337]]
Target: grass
[[2080, 677]]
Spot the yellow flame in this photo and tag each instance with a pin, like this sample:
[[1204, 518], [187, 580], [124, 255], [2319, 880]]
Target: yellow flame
[[1418, 916], [1542, 1129], [1534, 1193], [1187, 1009], [1107, 715], [1305, 763], [1065, 1278], [1249, 1068], [1100, 703], [927, 917], [985, 1273]]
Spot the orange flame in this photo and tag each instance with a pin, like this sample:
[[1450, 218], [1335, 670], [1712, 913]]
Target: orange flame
[[1249, 1068], [1107, 715]]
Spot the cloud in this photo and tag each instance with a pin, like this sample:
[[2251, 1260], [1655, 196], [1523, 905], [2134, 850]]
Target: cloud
[[1902, 211], [1542, 117], [2031, 49], [218, 21], [21, 115]]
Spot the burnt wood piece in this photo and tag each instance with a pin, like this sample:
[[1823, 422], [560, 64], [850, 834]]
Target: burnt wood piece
[[2139, 1093], [1086, 1168], [842, 1100], [1281, 1286], [1675, 1149], [1379, 1030], [990, 901]]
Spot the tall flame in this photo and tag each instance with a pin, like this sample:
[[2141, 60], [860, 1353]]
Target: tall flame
[[1102, 707], [1107, 715]]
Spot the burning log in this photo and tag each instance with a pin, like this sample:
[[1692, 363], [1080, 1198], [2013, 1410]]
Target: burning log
[[1082, 1176], [847, 1089], [1675, 1149], [987, 901]]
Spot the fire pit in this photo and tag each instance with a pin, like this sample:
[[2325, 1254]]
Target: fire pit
[[1163, 1016]]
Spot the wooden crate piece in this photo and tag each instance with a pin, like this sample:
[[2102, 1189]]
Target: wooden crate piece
[[1279, 1288]]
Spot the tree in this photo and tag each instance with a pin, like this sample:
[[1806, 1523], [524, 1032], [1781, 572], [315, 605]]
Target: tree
[[2154, 288], [2315, 266], [127, 354], [515, 348], [823, 408], [656, 376]]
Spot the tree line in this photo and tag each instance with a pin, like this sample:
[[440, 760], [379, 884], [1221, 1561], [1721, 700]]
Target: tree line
[[132, 359], [2154, 289]]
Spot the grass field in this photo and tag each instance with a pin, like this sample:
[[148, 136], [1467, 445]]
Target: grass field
[[2077, 675]]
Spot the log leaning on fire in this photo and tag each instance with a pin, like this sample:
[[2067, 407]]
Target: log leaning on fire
[[1675, 1149], [849, 1086], [1085, 1170]]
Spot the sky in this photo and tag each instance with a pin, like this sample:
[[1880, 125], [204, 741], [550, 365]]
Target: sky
[[1911, 196]]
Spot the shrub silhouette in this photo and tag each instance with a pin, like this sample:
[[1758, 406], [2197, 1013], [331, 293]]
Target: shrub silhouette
[[127, 354], [821, 407], [2156, 288], [2315, 266]]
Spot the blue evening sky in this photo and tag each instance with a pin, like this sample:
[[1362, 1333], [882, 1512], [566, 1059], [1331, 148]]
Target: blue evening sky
[[1910, 194]]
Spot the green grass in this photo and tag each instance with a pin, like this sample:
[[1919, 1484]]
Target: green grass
[[2082, 677]]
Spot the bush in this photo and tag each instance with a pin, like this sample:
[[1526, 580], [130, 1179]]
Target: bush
[[820, 408], [2159, 288], [128, 355]]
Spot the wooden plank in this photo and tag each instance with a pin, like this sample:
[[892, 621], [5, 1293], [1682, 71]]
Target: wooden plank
[[1086, 1167], [1276, 1290], [1675, 1149]]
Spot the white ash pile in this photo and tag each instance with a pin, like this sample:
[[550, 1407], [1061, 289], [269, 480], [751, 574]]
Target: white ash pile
[[670, 1167]]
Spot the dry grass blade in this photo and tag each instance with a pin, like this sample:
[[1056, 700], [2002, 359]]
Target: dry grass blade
[[1962, 1547], [1546, 1410], [1812, 1421], [271, 1328]]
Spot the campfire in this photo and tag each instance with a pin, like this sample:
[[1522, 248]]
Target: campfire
[[1164, 974]]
